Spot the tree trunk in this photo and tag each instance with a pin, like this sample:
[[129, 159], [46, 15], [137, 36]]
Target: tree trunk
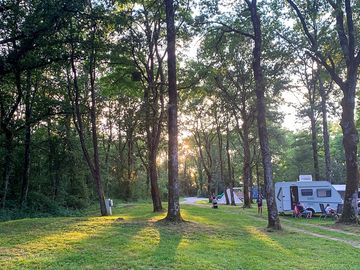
[[257, 177], [108, 148], [350, 141], [155, 193], [328, 173], [207, 167], [173, 197], [311, 87], [8, 159], [246, 166], [97, 174], [209, 186], [230, 178], [51, 160], [200, 177], [314, 142], [130, 163], [78, 122], [273, 218], [221, 160], [27, 142]]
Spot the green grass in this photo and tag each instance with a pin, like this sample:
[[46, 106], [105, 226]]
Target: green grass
[[224, 238]]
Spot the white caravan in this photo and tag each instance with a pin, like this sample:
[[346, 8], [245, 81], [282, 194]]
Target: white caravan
[[310, 193]]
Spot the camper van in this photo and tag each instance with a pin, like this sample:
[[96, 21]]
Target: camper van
[[310, 193]]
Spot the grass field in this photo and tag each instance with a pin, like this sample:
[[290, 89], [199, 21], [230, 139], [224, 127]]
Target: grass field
[[133, 238]]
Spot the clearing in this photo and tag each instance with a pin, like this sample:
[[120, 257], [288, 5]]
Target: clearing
[[224, 238]]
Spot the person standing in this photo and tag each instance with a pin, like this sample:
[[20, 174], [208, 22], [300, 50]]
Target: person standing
[[214, 202]]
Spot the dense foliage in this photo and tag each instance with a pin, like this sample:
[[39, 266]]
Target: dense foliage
[[85, 81]]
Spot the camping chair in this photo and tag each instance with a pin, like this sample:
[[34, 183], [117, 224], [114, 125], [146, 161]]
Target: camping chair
[[339, 209], [324, 214], [298, 214]]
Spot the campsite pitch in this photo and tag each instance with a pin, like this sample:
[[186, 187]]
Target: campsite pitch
[[225, 238]]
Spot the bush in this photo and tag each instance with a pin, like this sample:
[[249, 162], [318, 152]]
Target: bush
[[38, 202], [75, 202]]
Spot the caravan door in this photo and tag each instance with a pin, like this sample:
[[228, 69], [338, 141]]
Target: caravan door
[[286, 199], [294, 196]]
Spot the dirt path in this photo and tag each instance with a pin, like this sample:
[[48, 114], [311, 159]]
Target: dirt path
[[193, 201], [354, 243], [324, 228]]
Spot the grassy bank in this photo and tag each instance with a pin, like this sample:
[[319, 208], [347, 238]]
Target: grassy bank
[[226, 238]]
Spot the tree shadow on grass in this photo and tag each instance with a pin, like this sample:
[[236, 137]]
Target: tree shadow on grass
[[104, 249], [123, 245], [24, 231], [171, 234]]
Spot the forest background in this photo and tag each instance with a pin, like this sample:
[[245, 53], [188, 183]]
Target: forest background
[[83, 98]]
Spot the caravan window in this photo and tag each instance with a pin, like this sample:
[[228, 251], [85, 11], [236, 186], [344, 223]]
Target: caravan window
[[306, 192], [324, 192]]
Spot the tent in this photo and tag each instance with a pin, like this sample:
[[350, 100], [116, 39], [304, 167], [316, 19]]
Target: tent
[[238, 196]]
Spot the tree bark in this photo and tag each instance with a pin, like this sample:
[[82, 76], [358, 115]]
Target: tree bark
[[27, 142], [207, 164], [326, 137], [78, 122], [155, 193], [97, 173], [246, 165], [314, 142], [311, 84], [173, 214], [130, 162], [153, 79], [8, 163], [230, 176], [273, 218], [51, 161], [221, 160], [350, 141], [107, 147]]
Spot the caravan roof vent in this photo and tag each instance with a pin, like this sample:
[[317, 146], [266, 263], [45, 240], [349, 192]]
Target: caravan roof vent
[[305, 177]]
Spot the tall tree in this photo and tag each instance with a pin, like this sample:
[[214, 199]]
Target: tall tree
[[229, 169], [309, 108], [173, 213], [75, 96], [273, 218], [204, 138], [27, 140], [324, 93], [220, 149], [147, 49], [347, 56]]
